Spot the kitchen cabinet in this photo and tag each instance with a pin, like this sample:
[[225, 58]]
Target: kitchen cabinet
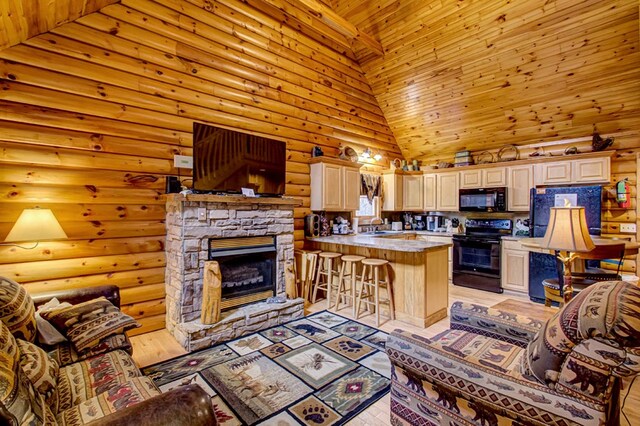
[[403, 191], [335, 185], [447, 186], [515, 267], [412, 192], [483, 178], [429, 196], [592, 169], [520, 180]]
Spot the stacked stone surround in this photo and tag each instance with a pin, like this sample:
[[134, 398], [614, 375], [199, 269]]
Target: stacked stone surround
[[187, 246]]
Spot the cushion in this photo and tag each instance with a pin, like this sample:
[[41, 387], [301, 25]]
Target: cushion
[[41, 370], [117, 398], [64, 353], [17, 310], [16, 392], [85, 324], [48, 334], [83, 380], [607, 311]]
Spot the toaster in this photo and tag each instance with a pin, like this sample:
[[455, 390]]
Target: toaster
[[312, 225]]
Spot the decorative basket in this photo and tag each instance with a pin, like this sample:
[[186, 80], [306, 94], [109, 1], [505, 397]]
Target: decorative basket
[[444, 165], [508, 153], [485, 157]]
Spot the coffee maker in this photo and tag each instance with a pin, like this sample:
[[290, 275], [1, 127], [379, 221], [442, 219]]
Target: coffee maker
[[418, 223], [435, 222]]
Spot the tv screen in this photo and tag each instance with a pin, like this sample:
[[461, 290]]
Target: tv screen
[[227, 161]]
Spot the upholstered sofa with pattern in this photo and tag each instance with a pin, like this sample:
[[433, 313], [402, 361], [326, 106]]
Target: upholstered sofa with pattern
[[500, 368], [73, 384]]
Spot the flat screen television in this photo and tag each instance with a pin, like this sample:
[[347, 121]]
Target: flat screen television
[[227, 161]]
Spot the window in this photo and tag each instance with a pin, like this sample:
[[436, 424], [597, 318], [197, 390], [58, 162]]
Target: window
[[368, 209]]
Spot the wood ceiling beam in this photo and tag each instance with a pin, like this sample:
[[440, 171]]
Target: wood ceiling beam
[[312, 15], [341, 25]]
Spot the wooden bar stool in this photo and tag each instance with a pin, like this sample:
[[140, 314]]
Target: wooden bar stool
[[370, 288], [348, 274], [326, 269], [306, 267], [552, 292]]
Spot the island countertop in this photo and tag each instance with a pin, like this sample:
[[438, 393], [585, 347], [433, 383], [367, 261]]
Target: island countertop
[[390, 242]]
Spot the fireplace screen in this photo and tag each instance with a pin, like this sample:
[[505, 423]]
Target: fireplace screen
[[247, 267]]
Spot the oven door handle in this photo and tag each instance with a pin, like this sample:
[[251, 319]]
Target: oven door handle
[[476, 240]]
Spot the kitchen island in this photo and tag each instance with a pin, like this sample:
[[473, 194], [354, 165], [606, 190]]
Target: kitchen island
[[418, 270]]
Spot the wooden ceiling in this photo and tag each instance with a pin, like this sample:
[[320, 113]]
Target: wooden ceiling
[[478, 75], [23, 19]]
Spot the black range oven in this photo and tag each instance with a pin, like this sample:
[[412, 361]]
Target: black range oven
[[476, 254]]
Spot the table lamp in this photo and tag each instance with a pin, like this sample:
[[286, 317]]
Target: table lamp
[[35, 225], [567, 234]]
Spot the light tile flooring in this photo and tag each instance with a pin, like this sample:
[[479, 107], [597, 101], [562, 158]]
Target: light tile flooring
[[158, 346]]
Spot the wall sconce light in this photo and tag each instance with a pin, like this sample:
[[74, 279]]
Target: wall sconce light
[[377, 157], [35, 225], [366, 153]]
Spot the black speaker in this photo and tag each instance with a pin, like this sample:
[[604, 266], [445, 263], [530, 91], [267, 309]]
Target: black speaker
[[172, 185]]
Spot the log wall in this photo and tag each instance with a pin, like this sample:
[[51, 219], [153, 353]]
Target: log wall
[[92, 113]]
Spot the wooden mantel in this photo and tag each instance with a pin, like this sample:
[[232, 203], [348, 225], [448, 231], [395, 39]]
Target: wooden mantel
[[235, 199]]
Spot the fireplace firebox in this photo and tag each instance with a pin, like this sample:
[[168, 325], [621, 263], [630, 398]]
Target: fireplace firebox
[[247, 269]]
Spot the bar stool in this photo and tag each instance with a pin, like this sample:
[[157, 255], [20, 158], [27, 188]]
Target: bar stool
[[326, 269], [370, 289], [348, 274], [306, 272]]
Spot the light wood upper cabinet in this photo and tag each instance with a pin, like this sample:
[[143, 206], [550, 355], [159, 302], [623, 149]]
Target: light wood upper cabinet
[[335, 185], [412, 192], [351, 188], [429, 197], [591, 170], [447, 186], [520, 182], [594, 169], [392, 190], [483, 178]]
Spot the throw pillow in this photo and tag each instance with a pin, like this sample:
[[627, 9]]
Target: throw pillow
[[41, 370], [17, 310], [47, 334], [87, 323]]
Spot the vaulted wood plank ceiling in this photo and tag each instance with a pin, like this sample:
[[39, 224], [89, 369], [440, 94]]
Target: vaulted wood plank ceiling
[[482, 74], [23, 19]]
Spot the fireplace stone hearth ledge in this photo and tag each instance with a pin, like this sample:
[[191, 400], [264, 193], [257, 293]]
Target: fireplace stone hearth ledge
[[191, 221]]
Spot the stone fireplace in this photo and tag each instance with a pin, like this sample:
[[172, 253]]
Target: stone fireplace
[[251, 239]]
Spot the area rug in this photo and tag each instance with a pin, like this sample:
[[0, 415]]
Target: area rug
[[319, 370]]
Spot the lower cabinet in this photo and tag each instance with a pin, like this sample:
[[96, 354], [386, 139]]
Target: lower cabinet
[[515, 267]]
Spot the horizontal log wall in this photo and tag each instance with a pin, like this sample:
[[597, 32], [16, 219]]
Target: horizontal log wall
[[92, 113]]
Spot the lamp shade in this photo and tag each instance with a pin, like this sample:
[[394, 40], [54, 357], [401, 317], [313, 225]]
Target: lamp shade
[[36, 225], [567, 230]]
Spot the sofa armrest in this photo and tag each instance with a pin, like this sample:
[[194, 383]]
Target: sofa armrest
[[495, 323], [79, 295], [185, 405]]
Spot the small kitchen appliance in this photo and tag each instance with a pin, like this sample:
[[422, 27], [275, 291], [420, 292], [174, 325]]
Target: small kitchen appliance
[[435, 222], [418, 223]]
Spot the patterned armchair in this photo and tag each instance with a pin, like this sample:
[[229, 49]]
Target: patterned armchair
[[498, 368]]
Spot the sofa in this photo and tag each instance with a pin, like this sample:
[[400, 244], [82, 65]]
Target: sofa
[[494, 367], [73, 384]]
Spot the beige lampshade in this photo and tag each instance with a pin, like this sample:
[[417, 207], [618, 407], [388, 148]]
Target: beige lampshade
[[567, 230], [36, 225]]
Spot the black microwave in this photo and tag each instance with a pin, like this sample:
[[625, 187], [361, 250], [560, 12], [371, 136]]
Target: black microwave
[[483, 200]]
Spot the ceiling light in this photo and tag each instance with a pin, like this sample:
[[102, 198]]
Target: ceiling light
[[366, 153], [377, 157]]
